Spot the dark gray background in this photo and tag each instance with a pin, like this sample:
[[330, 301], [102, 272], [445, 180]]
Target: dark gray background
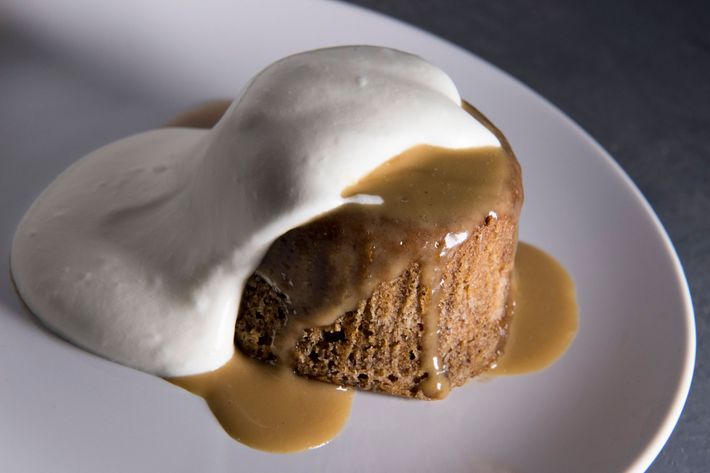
[[636, 76]]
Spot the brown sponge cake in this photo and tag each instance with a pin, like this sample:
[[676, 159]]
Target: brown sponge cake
[[372, 277], [377, 346]]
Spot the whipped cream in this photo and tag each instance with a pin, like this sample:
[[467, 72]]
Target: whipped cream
[[140, 250]]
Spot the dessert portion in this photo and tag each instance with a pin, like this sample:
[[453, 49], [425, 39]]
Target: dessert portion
[[347, 218], [407, 298], [139, 251]]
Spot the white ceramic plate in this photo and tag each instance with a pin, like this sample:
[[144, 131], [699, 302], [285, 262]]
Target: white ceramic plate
[[116, 67]]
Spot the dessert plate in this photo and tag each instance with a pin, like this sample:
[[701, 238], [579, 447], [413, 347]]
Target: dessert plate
[[83, 73]]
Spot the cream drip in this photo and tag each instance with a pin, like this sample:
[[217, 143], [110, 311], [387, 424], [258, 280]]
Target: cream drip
[[140, 250]]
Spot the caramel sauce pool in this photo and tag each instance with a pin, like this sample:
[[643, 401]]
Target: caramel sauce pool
[[544, 317], [270, 408]]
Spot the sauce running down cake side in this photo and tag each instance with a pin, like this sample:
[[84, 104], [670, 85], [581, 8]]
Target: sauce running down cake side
[[408, 297]]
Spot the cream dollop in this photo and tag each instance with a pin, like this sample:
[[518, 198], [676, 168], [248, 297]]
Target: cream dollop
[[140, 250]]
